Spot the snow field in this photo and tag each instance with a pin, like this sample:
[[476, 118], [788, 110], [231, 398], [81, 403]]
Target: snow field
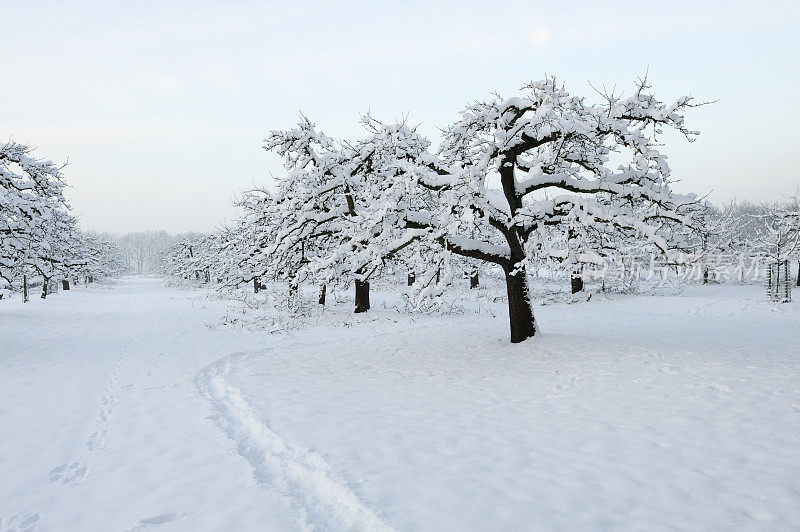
[[117, 366], [607, 420], [128, 411]]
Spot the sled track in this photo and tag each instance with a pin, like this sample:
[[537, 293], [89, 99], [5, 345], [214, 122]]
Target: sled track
[[303, 475]]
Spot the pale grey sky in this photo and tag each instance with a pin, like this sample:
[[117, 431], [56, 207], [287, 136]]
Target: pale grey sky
[[161, 107]]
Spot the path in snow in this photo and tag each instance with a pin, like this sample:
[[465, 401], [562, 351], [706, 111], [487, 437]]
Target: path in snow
[[299, 473]]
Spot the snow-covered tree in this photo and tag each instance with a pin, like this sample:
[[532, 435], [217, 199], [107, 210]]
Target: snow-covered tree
[[552, 154], [777, 231], [38, 235], [194, 256], [100, 257], [322, 217], [717, 235], [243, 254]]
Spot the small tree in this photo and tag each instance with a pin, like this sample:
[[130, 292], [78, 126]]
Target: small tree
[[324, 211], [777, 232]]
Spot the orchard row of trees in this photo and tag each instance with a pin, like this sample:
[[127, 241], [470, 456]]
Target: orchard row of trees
[[767, 232], [39, 236], [730, 243], [40, 242], [543, 178]]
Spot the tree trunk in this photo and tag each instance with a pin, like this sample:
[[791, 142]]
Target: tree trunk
[[44, 288], [473, 279], [322, 290], [65, 284], [705, 275], [362, 296], [438, 275], [798, 273], [576, 282], [411, 278], [520, 313], [255, 285], [24, 288]]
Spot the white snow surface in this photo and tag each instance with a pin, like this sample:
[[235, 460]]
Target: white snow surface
[[128, 408]]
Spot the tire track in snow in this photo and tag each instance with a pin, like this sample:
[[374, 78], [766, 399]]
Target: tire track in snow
[[300, 474]]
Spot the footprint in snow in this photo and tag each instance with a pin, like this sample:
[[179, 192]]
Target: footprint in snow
[[19, 522], [157, 520], [105, 415], [97, 440], [69, 473]]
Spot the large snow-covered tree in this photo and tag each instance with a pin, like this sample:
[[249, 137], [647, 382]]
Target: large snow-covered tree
[[507, 174]]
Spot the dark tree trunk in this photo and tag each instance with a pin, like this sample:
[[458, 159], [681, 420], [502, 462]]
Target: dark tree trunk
[[798, 273], [576, 282], [44, 288], [438, 275], [362, 296], [705, 275], [91, 279], [65, 284], [520, 313], [322, 290], [473, 279], [411, 278], [255, 285], [24, 288]]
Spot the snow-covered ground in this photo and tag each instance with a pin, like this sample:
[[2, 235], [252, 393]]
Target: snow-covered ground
[[130, 408]]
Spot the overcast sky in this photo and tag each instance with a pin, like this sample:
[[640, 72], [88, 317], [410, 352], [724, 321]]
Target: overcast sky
[[161, 107]]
